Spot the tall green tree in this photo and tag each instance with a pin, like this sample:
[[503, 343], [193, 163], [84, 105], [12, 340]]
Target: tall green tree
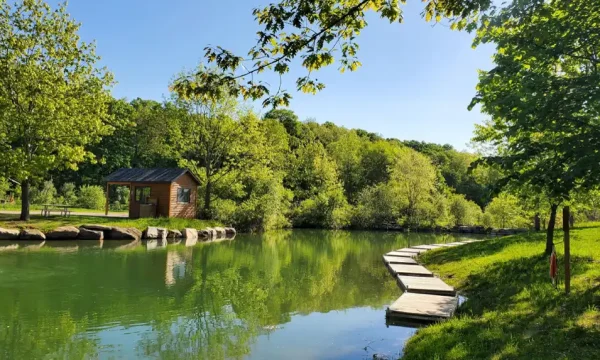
[[543, 97], [415, 178], [53, 97]]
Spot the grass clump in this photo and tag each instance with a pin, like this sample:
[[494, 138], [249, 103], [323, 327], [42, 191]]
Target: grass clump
[[512, 310]]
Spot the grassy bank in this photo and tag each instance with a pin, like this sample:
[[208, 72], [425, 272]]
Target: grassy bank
[[513, 311], [45, 224], [17, 207]]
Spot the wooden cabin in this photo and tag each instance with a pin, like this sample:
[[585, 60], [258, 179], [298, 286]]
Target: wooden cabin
[[157, 192]]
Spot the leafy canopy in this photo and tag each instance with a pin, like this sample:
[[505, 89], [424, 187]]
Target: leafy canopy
[[316, 32], [53, 97]]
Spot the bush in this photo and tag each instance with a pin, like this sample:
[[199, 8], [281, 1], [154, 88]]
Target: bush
[[463, 211], [505, 212], [45, 195], [68, 193], [91, 197], [328, 210], [375, 208]]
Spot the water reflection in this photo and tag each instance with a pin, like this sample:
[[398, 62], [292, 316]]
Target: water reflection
[[293, 294]]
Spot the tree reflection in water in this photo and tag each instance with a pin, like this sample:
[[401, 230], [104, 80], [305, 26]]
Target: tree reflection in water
[[210, 301]]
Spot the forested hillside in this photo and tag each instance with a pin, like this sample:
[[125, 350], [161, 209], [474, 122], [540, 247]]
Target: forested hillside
[[273, 171]]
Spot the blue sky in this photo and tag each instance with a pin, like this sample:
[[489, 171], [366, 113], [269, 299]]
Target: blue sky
[[416, 81]]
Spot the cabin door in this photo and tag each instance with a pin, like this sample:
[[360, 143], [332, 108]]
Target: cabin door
[[140, 199]]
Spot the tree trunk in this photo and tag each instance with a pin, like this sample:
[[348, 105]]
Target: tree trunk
[[207, 194], [536, 221], [571, 220], [25, 200], [550, 230], [567, 241]]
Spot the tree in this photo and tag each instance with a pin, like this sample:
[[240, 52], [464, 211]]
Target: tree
[[377, 207], [347, 153], [53, 96], [209, 142], [463, 211], [318, 193], [314, 32], [505, 211], [543, 98], [414, 176]]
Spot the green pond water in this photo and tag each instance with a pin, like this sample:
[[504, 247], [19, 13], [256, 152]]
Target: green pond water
[[299, 294]]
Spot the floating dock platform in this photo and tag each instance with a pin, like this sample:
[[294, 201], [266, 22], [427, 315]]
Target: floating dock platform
[[426, 298]]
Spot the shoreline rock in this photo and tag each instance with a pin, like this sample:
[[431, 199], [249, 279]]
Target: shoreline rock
[[9, 234], [63, 233], [31, 234], [86, 234]]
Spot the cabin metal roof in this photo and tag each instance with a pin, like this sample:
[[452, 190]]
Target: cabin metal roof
[[164, 175]]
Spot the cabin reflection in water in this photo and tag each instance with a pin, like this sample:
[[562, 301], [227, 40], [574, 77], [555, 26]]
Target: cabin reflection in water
[[177, 264]]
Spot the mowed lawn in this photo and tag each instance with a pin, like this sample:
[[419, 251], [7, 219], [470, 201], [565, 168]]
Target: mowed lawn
[[49, 223], [512, 310]]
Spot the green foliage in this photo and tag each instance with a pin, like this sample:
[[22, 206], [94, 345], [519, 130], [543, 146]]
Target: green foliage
[[91, 197], [377, 207], [542, 97], [54, 97], [414, 177], [68, 193], [510, 297], [313, 31], [505, 212], [44, 195], [463, 211], [4, 187]]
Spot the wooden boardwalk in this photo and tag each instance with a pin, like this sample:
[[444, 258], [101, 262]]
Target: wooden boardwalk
[[426, 297], [402, 254], [423, 307], [428, 247], [412, 250], [409, 270], [423, 285], [398, 260]]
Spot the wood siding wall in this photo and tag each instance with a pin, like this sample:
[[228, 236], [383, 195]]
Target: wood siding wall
[[161, 192], [181, 210]]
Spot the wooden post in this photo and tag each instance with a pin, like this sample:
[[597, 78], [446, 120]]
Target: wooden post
[[567, 241], [106, 205]]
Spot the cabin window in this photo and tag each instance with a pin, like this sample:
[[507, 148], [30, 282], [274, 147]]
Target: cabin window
[[142, 194], [183, 195]]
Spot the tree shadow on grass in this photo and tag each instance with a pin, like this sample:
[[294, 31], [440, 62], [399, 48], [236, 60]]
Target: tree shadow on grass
[[478, 249], [513, 312]]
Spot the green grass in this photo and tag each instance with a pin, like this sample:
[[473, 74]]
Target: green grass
[[17, 207], [45, 224], [512, 310]]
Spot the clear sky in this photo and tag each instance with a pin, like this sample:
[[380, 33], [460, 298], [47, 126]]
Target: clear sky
[[416, 81]]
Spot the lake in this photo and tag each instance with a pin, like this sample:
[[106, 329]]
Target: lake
[[302, 294]]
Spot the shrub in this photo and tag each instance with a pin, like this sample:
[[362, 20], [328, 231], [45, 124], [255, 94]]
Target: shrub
[[68, 193], [91, 197], [375, 208], [329, 210], [44, 195], [505, 212]]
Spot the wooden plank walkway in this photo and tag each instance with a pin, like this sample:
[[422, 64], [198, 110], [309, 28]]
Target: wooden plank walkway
[[399, 260], [428, 247], [412, 250], [402, 254], [423, 307], [409, 270], [425, 297], [425, 285]]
